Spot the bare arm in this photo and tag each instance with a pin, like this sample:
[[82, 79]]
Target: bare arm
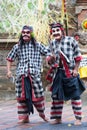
[[9, 73]]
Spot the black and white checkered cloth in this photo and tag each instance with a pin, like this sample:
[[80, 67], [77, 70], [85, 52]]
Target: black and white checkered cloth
[[69, 46], [29, 60], [36, 85]]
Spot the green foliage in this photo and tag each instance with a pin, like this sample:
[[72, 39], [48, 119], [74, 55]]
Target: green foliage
[[32, 34], [51, 1], [1, 27], [30, 6], [43, 12], [16, 13]]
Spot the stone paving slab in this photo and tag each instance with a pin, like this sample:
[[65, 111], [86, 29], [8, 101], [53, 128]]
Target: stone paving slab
[[63, 126], [47, 126], [8, 118]]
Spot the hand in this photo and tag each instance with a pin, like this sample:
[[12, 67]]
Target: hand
[[75, 70], [51, 60], [74, 73], [9, 74]]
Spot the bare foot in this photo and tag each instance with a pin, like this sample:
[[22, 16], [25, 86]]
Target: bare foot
[[78, 122], [43, 117], [23, 121], [56, 121]]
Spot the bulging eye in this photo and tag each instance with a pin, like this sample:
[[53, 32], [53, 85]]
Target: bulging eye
[[53, 30], [58, 30]]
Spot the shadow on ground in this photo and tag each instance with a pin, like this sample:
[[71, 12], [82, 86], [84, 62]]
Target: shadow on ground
[[47, 126]]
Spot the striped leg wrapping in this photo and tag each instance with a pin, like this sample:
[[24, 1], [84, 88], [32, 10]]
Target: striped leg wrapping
[[56, 109], [40, 106], [22, 110], [77, 108]]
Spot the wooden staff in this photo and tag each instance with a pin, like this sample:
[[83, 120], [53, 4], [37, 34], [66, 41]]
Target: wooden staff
[[64, 15]]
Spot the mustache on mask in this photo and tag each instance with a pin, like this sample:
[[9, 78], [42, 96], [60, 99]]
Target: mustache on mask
[[26, 36]]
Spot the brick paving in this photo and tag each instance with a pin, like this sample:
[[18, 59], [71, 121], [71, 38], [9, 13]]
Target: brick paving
[[8, 118]]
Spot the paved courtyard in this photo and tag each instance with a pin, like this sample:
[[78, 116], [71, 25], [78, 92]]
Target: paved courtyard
[[8, 118]]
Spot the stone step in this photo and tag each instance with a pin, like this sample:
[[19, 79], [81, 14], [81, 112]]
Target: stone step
[[10, 95], [7, 94], [81, 1], [5, 84]]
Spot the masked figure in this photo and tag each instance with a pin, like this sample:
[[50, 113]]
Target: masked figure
[[66, 83], [29, 91]]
